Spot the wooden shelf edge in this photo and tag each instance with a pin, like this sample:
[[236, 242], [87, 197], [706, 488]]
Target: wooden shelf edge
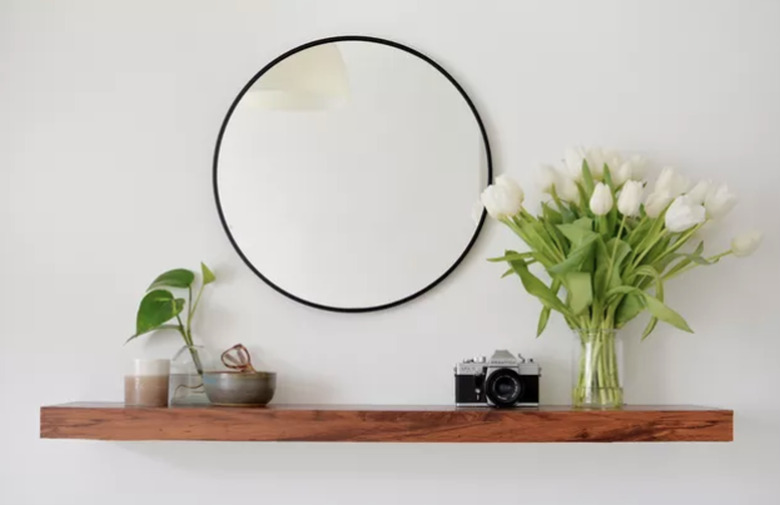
[[375, 423]]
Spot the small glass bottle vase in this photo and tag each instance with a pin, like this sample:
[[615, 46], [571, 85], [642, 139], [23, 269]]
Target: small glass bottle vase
[[186, 382], [597, 369]]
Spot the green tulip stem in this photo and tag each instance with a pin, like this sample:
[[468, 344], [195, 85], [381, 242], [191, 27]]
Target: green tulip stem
[[598, 379], [614, 249], [647, 249], [680, 241], [691, 266]]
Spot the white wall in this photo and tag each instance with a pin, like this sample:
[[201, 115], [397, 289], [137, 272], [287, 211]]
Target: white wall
[[109, 117]]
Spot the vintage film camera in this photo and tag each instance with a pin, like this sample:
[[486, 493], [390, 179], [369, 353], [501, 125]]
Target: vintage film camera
[[504, 380]]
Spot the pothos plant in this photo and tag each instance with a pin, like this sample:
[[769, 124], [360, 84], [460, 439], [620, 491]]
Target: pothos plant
[[607, 250], [159, 307]]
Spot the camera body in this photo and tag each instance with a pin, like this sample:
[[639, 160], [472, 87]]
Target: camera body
[[504, 380]]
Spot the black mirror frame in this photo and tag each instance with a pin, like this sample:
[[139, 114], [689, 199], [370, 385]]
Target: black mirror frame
[[344, 38]]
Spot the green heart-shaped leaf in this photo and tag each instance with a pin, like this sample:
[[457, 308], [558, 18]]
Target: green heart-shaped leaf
[[178, 278], [157, 307], [174, 327], [208, 275]]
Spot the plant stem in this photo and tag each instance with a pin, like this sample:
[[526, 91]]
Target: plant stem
[[679, 242], [187, 330], [639, 258], [190, 346], [614, 251], [195, 306], [694, 265], [598, 381], [189, 309]]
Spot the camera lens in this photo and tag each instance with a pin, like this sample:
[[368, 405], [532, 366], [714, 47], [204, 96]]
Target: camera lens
[[504, 388]]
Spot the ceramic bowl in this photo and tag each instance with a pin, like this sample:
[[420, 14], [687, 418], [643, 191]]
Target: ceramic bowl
[[240, 389]]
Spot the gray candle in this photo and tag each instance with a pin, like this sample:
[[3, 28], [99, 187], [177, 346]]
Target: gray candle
[[147, 384]]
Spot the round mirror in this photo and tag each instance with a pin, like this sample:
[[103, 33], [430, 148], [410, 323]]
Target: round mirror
[[346, 173]]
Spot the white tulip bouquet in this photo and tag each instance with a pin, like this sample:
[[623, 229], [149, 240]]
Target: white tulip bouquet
[[608, 251]]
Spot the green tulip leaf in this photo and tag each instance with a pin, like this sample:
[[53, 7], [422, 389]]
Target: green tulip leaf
[[656, 252], [544, 315], [208, 275], [578, 231], [512, 256], [587, 178], [649, 271], [637, 234], [601, 271], [608, 181], [178, 278], [621, 251], [577, 256], [658, 309], [617, 291], [650, 327], [157, 307], [687, 259], [580, 289], [551, 215], [534, 286], [584, 200], [630, 307]]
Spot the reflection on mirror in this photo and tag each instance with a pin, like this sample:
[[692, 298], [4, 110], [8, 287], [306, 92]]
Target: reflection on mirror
[[346, 173]]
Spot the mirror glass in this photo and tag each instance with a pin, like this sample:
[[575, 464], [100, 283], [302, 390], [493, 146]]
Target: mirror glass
[[347, 171]]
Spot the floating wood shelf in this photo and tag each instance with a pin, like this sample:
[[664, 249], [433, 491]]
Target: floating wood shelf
[[375, 423]]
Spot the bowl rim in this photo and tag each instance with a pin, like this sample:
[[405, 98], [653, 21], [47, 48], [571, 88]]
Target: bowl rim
[[238, 373]]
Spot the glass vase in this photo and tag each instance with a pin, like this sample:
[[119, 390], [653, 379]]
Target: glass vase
[[597, 364], [186, 381]]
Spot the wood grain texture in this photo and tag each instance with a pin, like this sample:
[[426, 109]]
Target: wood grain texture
[[376, 423]]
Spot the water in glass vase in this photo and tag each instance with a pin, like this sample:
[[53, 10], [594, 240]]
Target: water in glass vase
[[186, 382], [597, 364]]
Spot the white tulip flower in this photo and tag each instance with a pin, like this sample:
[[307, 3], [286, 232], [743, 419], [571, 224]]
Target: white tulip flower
[[515, 191], [613, 159], [683, 214], [630, 198], [746, 243], [623, 173], [672, 181], [601, 201], [566, 189], [573, 158], [504, 198], [631, 169], [638, 167], [656, 202], [596, 160], [719, 201], [699, 192], [546, 178]]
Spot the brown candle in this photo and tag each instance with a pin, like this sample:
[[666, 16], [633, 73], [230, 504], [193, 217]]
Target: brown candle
[[147, 386]]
